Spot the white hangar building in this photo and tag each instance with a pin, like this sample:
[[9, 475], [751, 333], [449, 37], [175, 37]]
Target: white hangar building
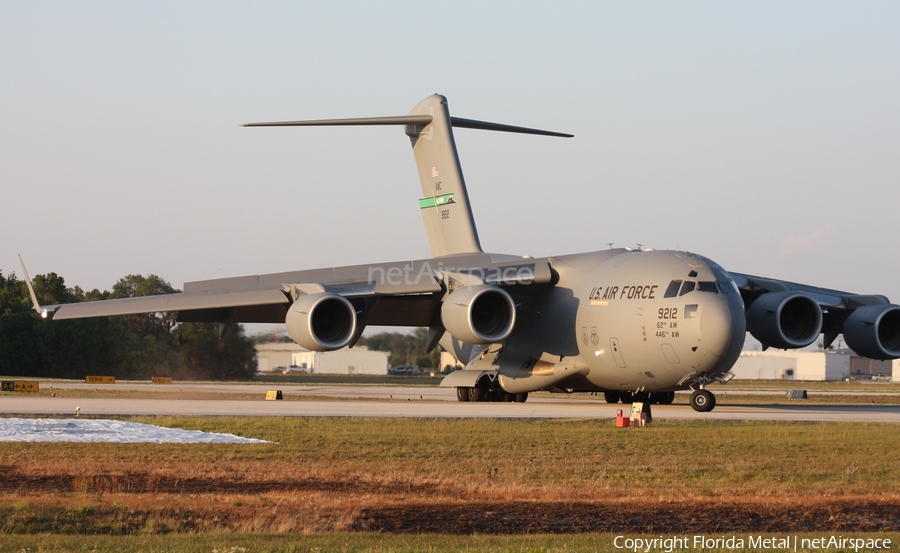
[[355, 360], [808, 365], [275, 355]]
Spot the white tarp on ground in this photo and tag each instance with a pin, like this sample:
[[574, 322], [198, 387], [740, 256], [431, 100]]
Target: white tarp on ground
[[94, 430]]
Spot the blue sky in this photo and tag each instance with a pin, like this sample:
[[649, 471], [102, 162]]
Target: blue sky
[[764, 135]]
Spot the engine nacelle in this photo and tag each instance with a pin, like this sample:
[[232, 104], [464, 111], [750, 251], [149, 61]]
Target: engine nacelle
[[873, 331], [479, 314], [786, 320], [321, 322]]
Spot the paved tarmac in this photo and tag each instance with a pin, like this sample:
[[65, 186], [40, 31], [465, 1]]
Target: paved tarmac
[[400, 401]]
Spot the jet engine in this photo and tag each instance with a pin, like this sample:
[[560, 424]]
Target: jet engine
[[479, 314], [321, 322], [786, 320], [873, 331]]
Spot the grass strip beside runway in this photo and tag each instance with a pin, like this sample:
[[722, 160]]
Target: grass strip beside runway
[[342, 477]]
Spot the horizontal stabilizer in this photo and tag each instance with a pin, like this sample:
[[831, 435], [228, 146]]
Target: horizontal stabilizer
[[457, 122], [444, 203], [487, 126], [395, 120]]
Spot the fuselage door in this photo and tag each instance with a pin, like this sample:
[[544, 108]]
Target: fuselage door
[[617, 352], [669, 352]]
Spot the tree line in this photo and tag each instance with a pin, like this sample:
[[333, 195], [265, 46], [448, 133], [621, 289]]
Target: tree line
[[129, 347], [404, 349]]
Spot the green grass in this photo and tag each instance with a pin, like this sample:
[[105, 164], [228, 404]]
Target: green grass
[[360, 542], [716, 457]]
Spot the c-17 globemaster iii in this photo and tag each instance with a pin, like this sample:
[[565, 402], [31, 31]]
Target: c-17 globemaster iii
[[631, 323]]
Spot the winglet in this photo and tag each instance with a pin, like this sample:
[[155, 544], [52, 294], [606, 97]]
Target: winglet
[[37, 307]]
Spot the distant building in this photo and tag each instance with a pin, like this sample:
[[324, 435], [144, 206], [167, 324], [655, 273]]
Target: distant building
[[808, 365], [355, 360], [275, 355]]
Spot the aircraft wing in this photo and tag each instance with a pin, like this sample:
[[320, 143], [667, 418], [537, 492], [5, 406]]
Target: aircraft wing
[[789, 314], [751, 287], [407, 293]]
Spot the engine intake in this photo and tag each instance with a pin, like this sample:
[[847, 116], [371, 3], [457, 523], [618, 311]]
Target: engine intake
[[873, 331], [479, 314], [786, 320], [321, 322]]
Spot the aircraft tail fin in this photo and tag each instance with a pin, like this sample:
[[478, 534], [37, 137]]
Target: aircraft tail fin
[[445, 206]]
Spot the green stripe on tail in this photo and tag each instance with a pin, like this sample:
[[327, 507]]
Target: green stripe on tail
[[437, 201]]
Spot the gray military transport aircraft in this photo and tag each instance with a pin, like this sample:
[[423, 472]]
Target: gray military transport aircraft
[[631, 323]]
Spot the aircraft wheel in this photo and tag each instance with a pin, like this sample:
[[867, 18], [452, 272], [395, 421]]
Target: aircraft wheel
[[477, 394], [611, 397], [626, 397], [703, 401], [462, 394], [665, 398], [522, 398], [508, 398]]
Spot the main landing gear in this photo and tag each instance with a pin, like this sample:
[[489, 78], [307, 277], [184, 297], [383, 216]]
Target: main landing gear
[[702, 400], [656, 398], [485, 394]]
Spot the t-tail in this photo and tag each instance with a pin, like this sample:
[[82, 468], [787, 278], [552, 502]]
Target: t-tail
[[444, 203]]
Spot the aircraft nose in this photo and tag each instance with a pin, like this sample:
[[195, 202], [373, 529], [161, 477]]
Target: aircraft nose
[[722, 328]]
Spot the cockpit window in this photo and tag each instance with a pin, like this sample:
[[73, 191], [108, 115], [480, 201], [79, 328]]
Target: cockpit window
[[680, 288], [672, 290], [708, 286]]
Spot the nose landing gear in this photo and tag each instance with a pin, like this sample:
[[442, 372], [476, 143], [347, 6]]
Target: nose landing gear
[[703, 401]]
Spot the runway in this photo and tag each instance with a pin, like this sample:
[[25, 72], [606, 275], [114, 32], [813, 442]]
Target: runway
[[398, 401]]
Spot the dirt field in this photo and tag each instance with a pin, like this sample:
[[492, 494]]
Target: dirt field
[[638, 517], [138, 502]]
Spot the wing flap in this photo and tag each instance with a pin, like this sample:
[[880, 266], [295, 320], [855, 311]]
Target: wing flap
[[401, 277]]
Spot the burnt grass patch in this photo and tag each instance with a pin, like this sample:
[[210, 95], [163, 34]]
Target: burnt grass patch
[[633, 517]]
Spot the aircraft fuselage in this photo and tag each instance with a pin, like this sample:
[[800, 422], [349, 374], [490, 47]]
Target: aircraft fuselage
[[655, 320], [623, 320]]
